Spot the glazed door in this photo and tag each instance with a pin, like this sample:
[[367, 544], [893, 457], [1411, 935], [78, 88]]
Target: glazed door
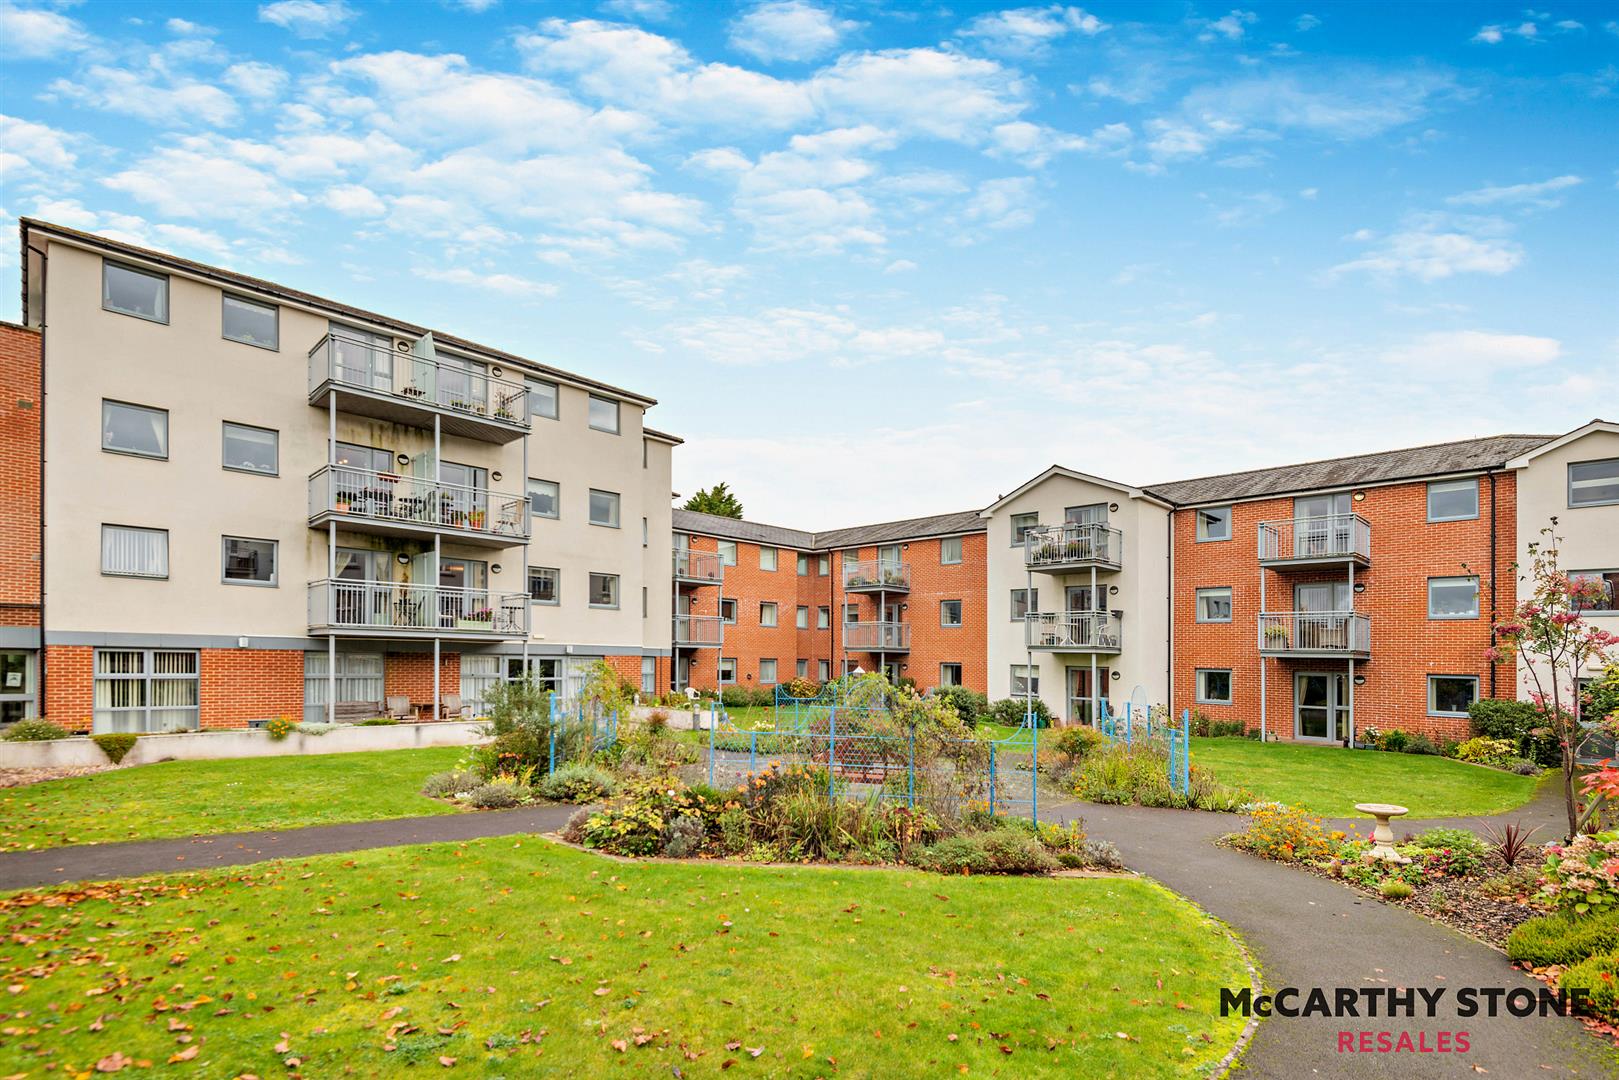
[[1320, 706]]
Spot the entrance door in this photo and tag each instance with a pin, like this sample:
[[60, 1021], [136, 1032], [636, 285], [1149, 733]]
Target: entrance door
[[1079, 693], [1320, 706]]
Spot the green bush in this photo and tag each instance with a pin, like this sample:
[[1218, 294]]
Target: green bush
[[1014, 850], [1228, 729], [969, 704], [801, 688], [735, 697], [1120, 774], [1421, 744], [1517, 722], [1078, 742], [1012, 711], [115, 744], [578, 783], [1598, 976], [496, 796], [1395, 889], [1394, 741], [1563, 938], [1454, 839], [683, 837], [447, 784], [34, 730], [378, 721], [1102, 854], [962, 854], [280, 727]]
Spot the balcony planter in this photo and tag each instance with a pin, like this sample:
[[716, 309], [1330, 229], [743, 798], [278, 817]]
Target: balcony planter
[[414, 391], [475, 620], [475, 519], [1275, 637]]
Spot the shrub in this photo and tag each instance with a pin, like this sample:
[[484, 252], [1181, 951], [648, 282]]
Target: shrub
[[962, 854], [496, 795], [657, 721], [1013, 850], [683, 837], [801, 688], [1395, 889], [574, 831], [280, 727], [734, 697], [1102, 854], [1122, 774], [114, 744], [1510, 842], [969, 704], [34, 730], [1563, 938], [1598, 976], [1278, 831], [447, 784], [1394, 741], [1012, 711], [378, 721], [1516, 722], [1484, 750], [1454, 839], [1078, 742], [1421, 744], [1059, 838], [1522, 766], [316, 728], [578, 783], [1228, 729], [1582, 875]]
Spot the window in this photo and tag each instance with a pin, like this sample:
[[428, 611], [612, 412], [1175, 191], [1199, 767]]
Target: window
[[1089, 514], [950, 551], [646, 535], [358, 678], [1453, 598], [252, 449], [134, 292], [544, 585], [366, 458], [767, 558], [1213, 686], [251, 323], [1214, 605], [1023, 602], [1214, 523], [727, 669], [248, 562], [823, 618], [728, 612], [544, 499], [1593, 483], [1021, 524], [949, 674], [479, 675], [604, 590], [767, 614], [1451, 695], [802, 619], [767, 672], [127, 551], [823, 565], [17, 686], [802, 669], [603, 414], [1599, 590], [803, 566], [604, 508], [823, 670], [949, 612], [145, 690], [727, 550], [851, 613], [542, 399], [134, 429], [1453, 500], [649, 674], [1025, 680], [646, 602]]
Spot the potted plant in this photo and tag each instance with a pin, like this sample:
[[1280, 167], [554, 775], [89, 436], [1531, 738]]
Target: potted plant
[[1275, 636], [476, 619], [414, 391], [475, 519]]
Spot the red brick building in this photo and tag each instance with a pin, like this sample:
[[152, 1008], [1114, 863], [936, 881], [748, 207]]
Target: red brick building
[[20, 471]]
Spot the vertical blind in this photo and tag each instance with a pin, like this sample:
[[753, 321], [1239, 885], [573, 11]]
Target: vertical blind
[[137, 552]]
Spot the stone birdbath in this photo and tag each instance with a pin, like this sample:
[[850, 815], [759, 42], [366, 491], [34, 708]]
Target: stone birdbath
[[1382, 835]]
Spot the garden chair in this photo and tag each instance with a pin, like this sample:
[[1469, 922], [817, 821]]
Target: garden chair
[[452, 708], [400, 708]]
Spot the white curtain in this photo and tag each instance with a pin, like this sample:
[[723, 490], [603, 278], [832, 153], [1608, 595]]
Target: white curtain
[[142, 552]]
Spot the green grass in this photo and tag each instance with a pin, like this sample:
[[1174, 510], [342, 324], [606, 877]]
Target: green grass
[[191, 798], [516, 957], [1329, 780]]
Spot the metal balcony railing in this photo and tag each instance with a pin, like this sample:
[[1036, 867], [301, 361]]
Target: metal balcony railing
[[699, 631], [1334, 538], [383, 608], [1315, 633], [1072, 631], [415, 503], [877, 637], [467, 391], [1073, 547], [698, 567], [876, 575]]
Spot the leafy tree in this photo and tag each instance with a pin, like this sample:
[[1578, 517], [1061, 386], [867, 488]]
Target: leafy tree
[[718, 500]]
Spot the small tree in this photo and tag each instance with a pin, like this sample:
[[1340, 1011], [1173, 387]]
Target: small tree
[[1556, 643], [718, 500]]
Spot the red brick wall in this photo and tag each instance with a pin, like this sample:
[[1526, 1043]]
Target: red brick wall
[[1406, 646], [239, 685], [69, 696], [749, 641], [19, 475], [411, 675]]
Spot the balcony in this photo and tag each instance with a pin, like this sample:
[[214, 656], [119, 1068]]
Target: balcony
[[1315, 541], [699, 631], [390, 609], [698, 567], [1058, 549], [387, 504], [403, 388], [876, 575], [1072, 631], [1316, 634], [877, 637]]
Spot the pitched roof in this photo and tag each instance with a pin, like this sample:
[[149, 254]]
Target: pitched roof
[[753, 532], [1466, 455], [690, 521], [404, 329], [654, 433], [1561, 441]]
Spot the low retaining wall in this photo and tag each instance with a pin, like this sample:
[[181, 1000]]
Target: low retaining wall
[[210, 745]]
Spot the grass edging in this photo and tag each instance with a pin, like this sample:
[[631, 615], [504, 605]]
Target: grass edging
[[1227, 1064]]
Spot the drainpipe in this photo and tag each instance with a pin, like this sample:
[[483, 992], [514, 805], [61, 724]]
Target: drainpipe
[[1493, 568], [44, 293]]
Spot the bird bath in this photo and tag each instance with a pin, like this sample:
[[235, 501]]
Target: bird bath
[[1382, 835]]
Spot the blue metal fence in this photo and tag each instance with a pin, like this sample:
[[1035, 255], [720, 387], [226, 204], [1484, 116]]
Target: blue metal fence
[[1136, 728], [579, 729]]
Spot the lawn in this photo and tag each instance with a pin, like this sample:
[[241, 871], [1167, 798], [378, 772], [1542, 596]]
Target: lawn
[[516, 957], [1330, 780], [189, 798]]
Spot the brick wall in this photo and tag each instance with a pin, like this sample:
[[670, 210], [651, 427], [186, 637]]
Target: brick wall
[[69, 697], [748, 640], [239, 685], [19, 475], [411, 675], [1406, 645]]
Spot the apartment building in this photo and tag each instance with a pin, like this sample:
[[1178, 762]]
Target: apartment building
[[904, 597], [259, 502], [19, 527]]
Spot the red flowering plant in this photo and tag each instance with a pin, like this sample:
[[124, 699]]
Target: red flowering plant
[[1557, 645]]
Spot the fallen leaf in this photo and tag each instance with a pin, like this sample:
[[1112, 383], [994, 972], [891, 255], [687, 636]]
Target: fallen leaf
[[184, 1055], [446, 1061]]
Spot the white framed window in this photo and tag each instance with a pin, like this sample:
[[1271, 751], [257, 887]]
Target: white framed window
[[250, 322], [727, 550], [803, 565], [950, 551], [604, 590], [359, 678], [949, 674], [768, 557], [1024, 601], [1214, 605], [802, 618], [767, 672], [1453, 598], [823, 565], [246, 561], [130, 551], [823, 618], [823, 670], [727, 669], [480, 673], [1603, 582], [728, 611], [604, 508], [544, 585], [1213, 686], [949, 612], [767, 614], [1593, 483], [851, 613], [542, 399], [544, 498], [129, 291], [1213, 523], [1451, 695], [251, 449], [1025, 680], [802, 669], [603, 414], [134, 429], [145, 690], [1021, 524], [1453, 500], [649, 674]]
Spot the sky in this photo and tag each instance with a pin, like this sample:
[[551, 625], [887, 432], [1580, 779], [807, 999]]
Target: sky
[[879, 261]]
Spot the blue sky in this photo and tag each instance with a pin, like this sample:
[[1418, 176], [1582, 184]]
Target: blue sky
[[880, 261]]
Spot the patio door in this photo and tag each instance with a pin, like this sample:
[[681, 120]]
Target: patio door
[[1079, 693], [359, 597], [1320, 706], [1323, 525]]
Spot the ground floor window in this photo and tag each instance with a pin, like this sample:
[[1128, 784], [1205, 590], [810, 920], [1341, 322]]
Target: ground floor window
[[1025, 680], [649, 674], [1596, 742], [823, 670], [17, 686], [359, 678], [767, 673], [1451, 695], [727, 670], [1213, 686], [949, 674], [479, 674], [545, 671], [802, 671], [145, 690]]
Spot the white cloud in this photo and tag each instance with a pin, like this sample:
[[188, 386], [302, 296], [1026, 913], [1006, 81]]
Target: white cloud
[[255, 80], [788, 30], [1305, 23], [931, 92], [1032, 144], [899, 266], [1434, 247], [798, 335], [34, 153], [1544, 194], [1005, 203], [38, 34], [649, 10], [504, 284], [133, 229], [308, 18], [186, 28], [1474, 351], [1231, 26], [353, 200], [1031, 31], [476, 7], [154, 93], [205, 177], [1248, 209]]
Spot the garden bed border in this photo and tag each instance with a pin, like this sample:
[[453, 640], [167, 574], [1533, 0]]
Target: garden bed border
[[79, 750]]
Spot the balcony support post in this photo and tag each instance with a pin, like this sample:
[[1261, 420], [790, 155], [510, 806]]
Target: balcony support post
[[331, 620], [1028, 655], [1262, 665], [1354, 628], [528, 531], [1096, 692]]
